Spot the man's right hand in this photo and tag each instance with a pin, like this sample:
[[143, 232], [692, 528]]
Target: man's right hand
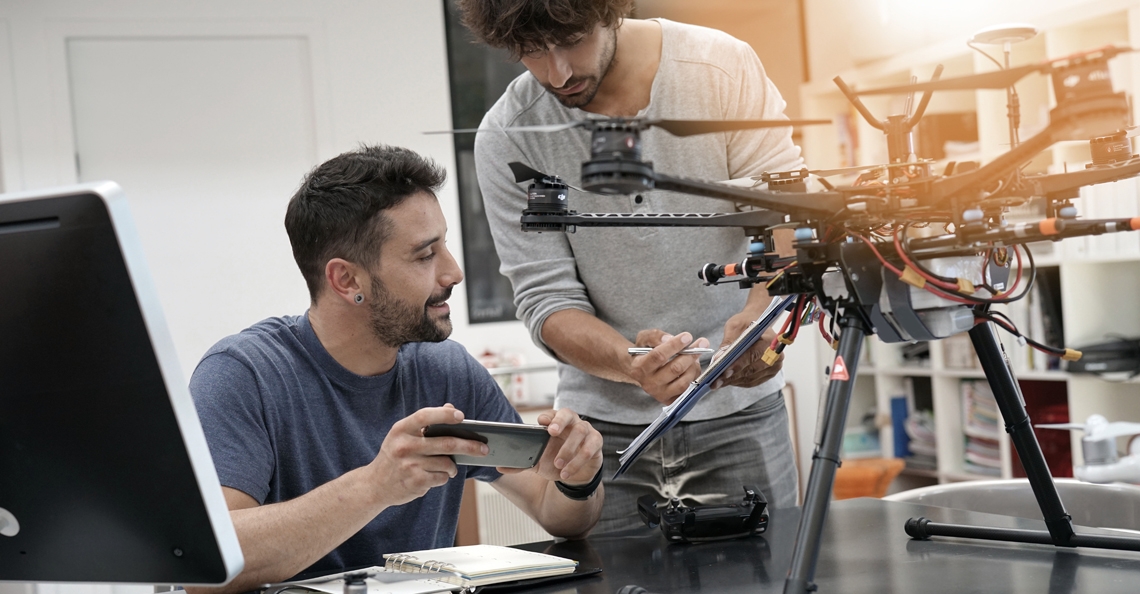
[[409, 464], [663, 373]]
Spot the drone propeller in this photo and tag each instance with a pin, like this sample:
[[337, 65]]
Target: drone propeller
[[694, 127], [998, 79], [525, 173], [1098, 427], [674, 127]]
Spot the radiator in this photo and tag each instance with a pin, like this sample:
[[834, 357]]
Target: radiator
[[500, 522]]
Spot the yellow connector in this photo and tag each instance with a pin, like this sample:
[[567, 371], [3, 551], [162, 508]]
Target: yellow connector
[[965, 287], [784, 340], [770, 356], [1072, 355], [912, 278], [835, 344]]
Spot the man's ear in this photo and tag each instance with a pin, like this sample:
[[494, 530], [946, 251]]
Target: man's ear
[[346, 281]]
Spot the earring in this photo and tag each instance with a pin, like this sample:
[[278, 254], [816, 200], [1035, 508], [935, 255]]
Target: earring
[[358, 299]]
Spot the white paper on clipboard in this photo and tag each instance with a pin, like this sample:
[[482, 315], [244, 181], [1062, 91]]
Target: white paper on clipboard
[[672, 414]]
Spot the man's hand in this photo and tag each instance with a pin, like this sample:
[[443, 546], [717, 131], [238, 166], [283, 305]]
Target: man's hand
[[749, 370], [409, 464], [574, 453], [664, 373]]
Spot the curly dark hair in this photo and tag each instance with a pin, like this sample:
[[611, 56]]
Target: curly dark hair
[[338, 212], [520, 25]]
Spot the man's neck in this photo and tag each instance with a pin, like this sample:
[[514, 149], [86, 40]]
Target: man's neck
[[344, 332], [625, 89]]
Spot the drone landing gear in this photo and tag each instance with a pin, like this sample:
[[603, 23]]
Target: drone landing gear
[[1057, 520], [1008, 395], [826, 457]]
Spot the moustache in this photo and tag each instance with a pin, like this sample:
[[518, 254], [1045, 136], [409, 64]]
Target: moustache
[[443, 297]]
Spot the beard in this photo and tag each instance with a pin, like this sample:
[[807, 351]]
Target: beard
[[593, 81], [396, 322]]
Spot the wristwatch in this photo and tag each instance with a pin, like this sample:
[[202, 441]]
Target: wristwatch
[[580, 492]]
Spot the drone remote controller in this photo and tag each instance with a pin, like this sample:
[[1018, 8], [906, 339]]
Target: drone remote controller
[[705, 523]]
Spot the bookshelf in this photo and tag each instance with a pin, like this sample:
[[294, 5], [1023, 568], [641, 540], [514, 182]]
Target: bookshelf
[[1091, 282]]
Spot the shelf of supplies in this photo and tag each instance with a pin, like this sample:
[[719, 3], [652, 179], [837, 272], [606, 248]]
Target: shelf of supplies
[[1054, 376], [907, 371], [531, 368], [923, 472]]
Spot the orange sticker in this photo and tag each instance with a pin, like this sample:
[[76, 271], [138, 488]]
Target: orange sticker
[[839, 370]]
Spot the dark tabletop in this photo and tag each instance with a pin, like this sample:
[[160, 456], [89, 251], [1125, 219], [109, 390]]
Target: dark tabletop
[[864, 550]]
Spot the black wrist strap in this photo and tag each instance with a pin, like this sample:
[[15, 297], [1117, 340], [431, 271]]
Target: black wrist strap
[[580, 492]]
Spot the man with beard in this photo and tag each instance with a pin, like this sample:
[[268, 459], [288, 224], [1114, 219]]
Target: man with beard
[[586, 297], [315, 421]]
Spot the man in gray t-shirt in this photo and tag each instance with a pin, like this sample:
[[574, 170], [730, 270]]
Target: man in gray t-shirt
[[316, 422], [586, 297]]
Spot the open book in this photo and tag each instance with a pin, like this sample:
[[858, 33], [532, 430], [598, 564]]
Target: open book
[[452, 568]]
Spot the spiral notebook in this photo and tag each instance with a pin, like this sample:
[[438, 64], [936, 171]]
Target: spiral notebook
[[452, 568]]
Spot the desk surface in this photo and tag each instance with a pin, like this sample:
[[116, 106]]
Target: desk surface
[[864, 550]]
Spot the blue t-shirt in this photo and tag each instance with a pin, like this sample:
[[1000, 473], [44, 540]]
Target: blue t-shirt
[[282, 417]]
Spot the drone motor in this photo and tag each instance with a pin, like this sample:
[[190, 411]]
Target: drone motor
[[547, 196], [615, 165], [1114, 148]]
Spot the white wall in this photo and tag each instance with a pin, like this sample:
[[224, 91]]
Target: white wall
[[377, 71], [844, 34]]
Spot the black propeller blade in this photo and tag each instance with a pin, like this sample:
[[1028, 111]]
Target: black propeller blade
[[674, 127], [524, 173], [694, 127]]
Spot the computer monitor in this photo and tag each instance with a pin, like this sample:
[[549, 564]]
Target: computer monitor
[[105, 475]]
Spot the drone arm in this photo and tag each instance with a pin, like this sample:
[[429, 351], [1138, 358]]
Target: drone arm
[[863, 111], [1071, 182], [995, 170], [754, 219], [913, 120], [823, 204]]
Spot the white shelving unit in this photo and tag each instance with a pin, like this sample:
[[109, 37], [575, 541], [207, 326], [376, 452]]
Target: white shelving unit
[[1099, 276]]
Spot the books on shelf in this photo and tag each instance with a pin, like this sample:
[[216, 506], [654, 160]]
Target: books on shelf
[[923, 440], [451, 568], [981, 425]]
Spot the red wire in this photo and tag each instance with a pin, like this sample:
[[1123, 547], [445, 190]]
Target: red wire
[[784, 328], [879, 256], [939, 283], [826, 336], [891, 267]]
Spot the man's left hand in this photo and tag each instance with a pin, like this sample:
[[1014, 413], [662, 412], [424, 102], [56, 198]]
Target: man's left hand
[[749, 370], [574, 453]]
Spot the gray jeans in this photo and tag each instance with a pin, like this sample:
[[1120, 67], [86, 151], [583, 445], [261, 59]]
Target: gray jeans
[[702, 462]]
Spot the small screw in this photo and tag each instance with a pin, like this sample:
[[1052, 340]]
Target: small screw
[[177, 552]]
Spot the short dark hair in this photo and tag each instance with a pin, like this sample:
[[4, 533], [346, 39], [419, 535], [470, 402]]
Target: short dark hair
[[338, 212], [519, 25]]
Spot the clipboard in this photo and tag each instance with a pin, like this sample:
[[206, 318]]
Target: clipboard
[[672, 414]]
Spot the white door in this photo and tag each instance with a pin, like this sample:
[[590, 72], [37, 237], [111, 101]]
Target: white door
[[209, 137]]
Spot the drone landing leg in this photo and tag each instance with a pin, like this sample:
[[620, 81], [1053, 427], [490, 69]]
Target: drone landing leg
[[1010, 402], [825, 460]]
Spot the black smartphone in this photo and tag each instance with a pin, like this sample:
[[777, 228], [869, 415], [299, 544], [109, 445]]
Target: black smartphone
[[511, 445]]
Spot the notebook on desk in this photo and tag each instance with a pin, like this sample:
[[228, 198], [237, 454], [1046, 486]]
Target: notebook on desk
[[439, 570]]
